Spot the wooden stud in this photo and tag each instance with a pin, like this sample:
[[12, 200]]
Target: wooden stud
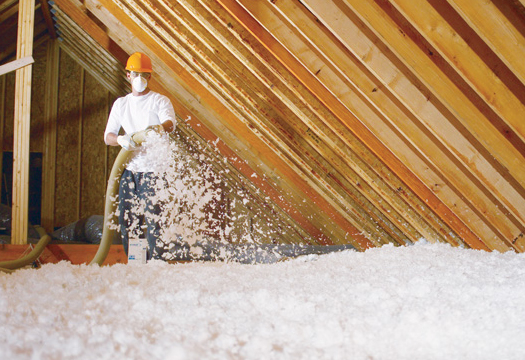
[[2, 123], [22, 120], [50, 146], [80, 137]]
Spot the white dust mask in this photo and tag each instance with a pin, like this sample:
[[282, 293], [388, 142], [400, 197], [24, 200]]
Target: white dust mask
[[139, 84]]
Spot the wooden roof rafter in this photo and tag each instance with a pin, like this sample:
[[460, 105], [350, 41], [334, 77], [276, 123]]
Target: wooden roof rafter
[[108, 19], [481, 17], [365, 49], [254, 143], [356, 75], [269, 131], [343, 114], [77, 42], [323, 144], [355, 79]]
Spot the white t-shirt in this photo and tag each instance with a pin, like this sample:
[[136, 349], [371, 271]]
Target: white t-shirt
[[136, 113]]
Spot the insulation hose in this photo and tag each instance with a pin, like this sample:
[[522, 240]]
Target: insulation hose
[[109, 211], [11, 265], [111, 193], [110, 208], [107, 234]]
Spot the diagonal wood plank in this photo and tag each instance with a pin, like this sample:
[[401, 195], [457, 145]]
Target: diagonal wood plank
[[251, 142], [336, 146], [508, 42], [372, 62], [391, 77], [302, 160], [447, 92], [356, 80], [347, 117], [459, 52]]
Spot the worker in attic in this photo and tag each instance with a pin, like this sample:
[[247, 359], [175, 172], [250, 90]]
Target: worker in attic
[[137, 113]]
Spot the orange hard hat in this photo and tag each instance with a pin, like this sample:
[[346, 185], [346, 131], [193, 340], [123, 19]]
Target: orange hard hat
[[139, 62]]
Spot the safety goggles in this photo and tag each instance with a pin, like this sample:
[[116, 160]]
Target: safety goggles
[[134, 74]]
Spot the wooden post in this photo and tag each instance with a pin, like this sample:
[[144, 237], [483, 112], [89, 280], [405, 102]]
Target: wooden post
[[79, 154], [26, 17], [2, 123], [50, 137]]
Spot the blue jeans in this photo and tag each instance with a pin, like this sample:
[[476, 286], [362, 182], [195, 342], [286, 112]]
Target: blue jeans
[[138, 188]]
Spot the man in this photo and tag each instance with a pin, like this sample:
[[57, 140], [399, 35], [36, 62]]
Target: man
[[140, 110]]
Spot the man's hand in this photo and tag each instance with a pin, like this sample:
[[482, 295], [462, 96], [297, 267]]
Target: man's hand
[[126, 141]]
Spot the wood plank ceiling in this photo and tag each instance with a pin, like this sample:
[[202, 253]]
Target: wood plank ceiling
[[366, 121]]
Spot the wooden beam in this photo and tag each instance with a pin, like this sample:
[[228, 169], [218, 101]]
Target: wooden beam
[[394, 77], [341, 112], [76, 254], [16, 64], [308, 164], [6, 4], [79, 141], [471, 133], [458, 45], [88, 25], [289, 115], [253, 142], [50, 136], [522, 2], [48, 19], [443, 88], [22, 122], [91, 47], [352, 74], [497, 29], [349, 80], [3, 80], [8, 9]]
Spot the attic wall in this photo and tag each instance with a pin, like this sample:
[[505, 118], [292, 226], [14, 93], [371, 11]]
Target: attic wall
[[83, 161], [81, 169]]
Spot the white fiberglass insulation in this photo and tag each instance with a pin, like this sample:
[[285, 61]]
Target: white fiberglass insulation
[[418, 302]]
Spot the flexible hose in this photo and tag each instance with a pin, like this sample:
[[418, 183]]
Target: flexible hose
[[111, 194], [107, 234], [29, 258], [110, 209], [109, 213]]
